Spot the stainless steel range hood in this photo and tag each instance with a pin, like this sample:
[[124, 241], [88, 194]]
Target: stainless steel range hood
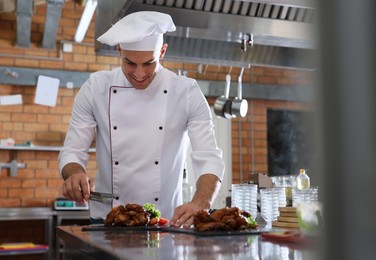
[[214, 32]]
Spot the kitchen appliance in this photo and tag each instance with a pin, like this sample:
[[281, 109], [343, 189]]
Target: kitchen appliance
[[66, 204]]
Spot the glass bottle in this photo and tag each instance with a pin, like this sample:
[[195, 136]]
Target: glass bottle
[[302, 180], [187, 188]]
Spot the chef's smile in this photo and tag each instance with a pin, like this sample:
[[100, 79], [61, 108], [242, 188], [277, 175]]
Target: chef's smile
[[139, 67]]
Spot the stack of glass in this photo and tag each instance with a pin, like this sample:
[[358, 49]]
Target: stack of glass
[[244, 196], [271, 199], [309, 195]]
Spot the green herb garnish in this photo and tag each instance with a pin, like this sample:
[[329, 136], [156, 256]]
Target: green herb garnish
[[153, 212]]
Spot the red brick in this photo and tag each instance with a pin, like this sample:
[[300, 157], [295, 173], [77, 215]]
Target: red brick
[[43, 192], [37, 202], [24, 117], [35, 127], [55, 183], [26, 154], [33, 183], [48, 118], [267, 80], [3, 193], [47, 173], [10, 203], [36, 164], [10, 182], [22, 193]]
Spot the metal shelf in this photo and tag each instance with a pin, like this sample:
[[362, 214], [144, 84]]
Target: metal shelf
[[52, 219], [36, 148]]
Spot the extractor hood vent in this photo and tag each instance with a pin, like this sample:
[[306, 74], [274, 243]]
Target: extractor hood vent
[[212, 32]]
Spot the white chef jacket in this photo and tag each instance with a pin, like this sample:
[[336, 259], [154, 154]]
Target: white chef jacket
[[141, 138]]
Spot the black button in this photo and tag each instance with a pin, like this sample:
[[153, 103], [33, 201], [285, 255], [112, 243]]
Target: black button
[[115, 91], [160, 128], [156, 162], [165, 91], [155, 199], [116, 163], [115, 127]]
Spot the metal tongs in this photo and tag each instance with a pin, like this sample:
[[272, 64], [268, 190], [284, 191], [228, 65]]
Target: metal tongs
[[103, 197]]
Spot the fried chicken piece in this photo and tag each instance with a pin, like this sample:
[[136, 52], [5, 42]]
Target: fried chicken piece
[[129, 215], [110, 218], [134, 207], [221, 219]]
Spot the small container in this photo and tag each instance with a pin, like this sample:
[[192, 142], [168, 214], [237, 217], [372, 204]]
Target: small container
[[302, 180], [187, 188], [244, 196]]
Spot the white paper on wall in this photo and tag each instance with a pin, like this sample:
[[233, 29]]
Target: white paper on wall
[[10, 100], [47, 90]]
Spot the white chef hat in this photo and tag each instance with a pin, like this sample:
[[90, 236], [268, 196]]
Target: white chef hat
[[139, 31]]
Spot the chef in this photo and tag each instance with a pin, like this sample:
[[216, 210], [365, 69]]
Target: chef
[[142, 117]]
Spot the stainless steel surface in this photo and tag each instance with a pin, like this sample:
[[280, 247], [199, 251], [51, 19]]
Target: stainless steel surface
[[103, 197], [13, 166], [51, 23], [26, 213], [38, 213], [212, 32], [24, 12], [52, 219], [209, 32], [222, 107], [239, 107], [222, 102], [231, 108], [165, 245], [213, 88], [36, 148]]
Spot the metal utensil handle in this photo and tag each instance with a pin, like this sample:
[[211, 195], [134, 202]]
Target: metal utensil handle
[[240, 87], [228, 83]]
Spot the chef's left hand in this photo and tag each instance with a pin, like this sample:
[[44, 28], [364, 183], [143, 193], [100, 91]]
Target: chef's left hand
[[207, 187], [183, 215]]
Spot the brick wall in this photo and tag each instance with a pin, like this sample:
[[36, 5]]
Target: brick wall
[[39, 184]]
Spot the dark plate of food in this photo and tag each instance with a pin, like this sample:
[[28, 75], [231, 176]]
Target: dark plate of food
[[219, 222]]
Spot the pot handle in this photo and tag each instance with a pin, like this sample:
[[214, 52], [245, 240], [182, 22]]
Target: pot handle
[[240, 86], [228, 83]]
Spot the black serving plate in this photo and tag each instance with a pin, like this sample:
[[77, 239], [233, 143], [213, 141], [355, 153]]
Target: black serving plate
[[191, 231]]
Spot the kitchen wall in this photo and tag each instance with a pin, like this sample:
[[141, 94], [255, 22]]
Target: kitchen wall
[[39, 183]]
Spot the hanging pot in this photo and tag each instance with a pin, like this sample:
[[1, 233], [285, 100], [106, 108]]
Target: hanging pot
[[222, 105], [239, 106]]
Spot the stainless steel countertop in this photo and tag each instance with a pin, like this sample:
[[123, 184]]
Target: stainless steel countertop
[[41, 213], [113, 244], [26, 213]]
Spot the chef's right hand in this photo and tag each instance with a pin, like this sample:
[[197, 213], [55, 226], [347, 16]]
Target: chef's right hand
[[77, 187]]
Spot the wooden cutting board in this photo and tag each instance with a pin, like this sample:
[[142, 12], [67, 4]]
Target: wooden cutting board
[[287, 209], [277, 223], [288, 214], [288, 219]]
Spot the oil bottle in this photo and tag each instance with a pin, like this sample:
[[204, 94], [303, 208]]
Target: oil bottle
[[302, 180]]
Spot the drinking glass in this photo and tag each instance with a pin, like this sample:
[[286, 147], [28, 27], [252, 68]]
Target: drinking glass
[[308, 195], [244, 196]]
